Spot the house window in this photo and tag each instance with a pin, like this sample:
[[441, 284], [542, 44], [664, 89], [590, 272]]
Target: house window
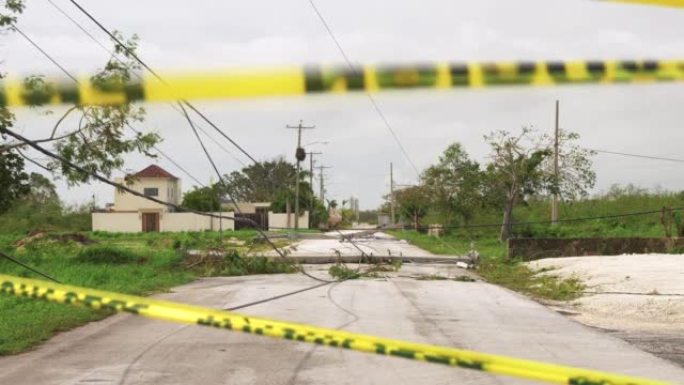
[[151, 191]]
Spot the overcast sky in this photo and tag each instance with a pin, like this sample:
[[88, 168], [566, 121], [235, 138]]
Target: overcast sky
[[203, 34]]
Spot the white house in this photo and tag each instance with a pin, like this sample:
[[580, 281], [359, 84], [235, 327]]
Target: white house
[[131, 213]]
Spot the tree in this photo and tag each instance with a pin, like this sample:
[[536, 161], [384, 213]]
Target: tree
[[271, 181], [519, 167], [203, 198], [575, 175], [454, 184], [13, 179], [41, 191], [95, 138], [412, 203]]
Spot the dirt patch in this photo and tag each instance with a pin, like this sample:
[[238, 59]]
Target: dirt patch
[[35, 236]]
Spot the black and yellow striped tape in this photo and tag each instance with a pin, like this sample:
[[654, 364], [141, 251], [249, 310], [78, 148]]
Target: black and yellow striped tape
[[664, 3], [316, 80], [171, 311]]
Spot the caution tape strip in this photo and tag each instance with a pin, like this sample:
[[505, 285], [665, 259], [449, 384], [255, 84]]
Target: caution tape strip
[[170, 311], [664, 3], [317, 80]]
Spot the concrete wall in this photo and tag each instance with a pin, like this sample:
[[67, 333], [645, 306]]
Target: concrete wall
[[530, 249], [169, 191], [246, 207], [183, 222], [279, 220], [117, 222], [132, 222]]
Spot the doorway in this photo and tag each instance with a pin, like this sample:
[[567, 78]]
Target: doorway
[[150, 222]]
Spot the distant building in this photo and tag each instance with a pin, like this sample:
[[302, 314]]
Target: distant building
[[130, 213]]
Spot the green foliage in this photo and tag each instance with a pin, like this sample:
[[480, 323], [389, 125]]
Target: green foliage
[[8, 15], [368, 216], [13, 179], [454, 186], [273, 181], [341, 272], [515, 275], [412, 204], [107, 254], [203, 198], [232, 264], [139, 263], [26, 322]]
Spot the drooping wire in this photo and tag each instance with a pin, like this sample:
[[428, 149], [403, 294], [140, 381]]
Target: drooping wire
[[580, 219], [374, 103], [135, 56], [27, 267], [72, 77], [651, 157], [139, 77]]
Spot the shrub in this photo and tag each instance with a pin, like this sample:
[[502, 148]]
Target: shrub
[[104, 254]]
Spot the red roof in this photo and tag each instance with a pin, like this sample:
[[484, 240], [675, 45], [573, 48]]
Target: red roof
[[154, 171]]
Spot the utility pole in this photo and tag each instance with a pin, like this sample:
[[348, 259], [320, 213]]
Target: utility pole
[[311, 163], [392, 193], [322, 185], [300, 154], [554, 206]]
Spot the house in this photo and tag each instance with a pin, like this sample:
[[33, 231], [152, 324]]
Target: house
[[130, 213], [154, 182]]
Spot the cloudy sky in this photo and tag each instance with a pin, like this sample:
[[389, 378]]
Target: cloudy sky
[[203, 34]]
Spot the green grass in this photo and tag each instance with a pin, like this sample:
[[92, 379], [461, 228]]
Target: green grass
[[139, 264]]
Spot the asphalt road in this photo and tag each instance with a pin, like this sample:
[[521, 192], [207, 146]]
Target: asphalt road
[[125, 349]]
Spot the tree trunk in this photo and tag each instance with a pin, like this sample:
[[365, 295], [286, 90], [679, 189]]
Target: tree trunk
[[415, 221], [506, 226]]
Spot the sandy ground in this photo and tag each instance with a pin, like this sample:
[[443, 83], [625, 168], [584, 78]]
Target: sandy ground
[[637, 297]]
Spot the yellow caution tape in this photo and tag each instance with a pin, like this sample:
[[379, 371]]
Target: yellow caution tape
[[170, 311], [665, 3], [316, 80]]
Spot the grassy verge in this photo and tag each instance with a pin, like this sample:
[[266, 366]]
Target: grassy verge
[[496, 268], [139, 264]]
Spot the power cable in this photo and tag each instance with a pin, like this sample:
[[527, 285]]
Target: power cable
[[137, 75], [156, 75], [637, 155], [72, 77], [120, 186], [375, 105], [580, 219], [232, 199], [27, 267]]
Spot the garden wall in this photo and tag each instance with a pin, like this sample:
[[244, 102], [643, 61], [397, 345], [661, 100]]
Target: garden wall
[[530, 249]]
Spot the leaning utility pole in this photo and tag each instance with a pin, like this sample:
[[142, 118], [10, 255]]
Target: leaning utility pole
[[322, 185], [392, 193], [300, 154], [554, 205]]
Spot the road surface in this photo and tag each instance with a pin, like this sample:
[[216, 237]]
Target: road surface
[[126, 349], [129, 350]]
